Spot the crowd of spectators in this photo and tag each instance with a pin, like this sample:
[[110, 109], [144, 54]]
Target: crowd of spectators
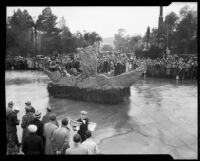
[[46, 136], [171, 66], [21, 63]]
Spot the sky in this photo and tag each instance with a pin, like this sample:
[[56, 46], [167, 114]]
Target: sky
[[107, 20]]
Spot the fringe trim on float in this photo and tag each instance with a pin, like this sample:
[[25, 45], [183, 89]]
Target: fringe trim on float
[[109, 96]]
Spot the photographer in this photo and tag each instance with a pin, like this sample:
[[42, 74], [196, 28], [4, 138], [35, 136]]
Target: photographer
[[84, 125]]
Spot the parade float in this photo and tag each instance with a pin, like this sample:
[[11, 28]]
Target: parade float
[[89, 85]]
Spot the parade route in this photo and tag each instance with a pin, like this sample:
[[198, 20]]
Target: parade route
[[159, 118]]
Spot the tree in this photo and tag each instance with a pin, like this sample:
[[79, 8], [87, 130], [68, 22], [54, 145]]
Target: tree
[[171, 20], [19, 34], [170, 24], [79, 40], [186, 31], [120, 41], [46, 24], [107, 47], [132, 43], [91, 38], [68, 41]]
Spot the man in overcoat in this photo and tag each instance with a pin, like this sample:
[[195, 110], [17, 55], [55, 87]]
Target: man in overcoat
[[26, 119], [33, 144], [49, 129]]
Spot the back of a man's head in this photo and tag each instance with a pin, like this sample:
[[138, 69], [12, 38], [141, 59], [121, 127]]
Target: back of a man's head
[[88, 134], [52, 117], [77, 138], [65, 122]]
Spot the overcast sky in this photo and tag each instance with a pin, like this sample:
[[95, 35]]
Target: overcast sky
[[107, 20]]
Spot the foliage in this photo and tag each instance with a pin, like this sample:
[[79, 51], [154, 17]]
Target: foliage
[[125, 43], [107, 47], [19, 34], [26, 37]]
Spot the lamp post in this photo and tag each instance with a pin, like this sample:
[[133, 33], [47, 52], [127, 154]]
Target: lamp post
[[35, 33]]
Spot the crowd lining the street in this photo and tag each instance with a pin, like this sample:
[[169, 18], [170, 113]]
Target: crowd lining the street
[[174, 67], [46, 136]]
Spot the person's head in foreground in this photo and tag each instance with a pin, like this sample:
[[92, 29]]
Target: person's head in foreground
[[10, 104], [52, 117], [64, 122], [88, 134], [77, 138], [83, 115]]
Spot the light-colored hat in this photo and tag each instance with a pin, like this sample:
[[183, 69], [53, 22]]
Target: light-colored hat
[[28, 103], [32, 128], [37, 114], [84, 113]]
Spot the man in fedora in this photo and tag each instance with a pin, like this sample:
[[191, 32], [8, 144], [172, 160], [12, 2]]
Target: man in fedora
[[36, 121], [28, 104], [9, 108], [49, 129], [84, 125], [61, 138], [46, 117], [26, 119], [11, 126], [33, 144]]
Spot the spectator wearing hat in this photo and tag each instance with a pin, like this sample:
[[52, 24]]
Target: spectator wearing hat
[[46, 117], [36, 121], [26, 119], [84, 125], [61, 138], [77, 148], [32, 143], [49, 129], [9, 108], [11, 127], [90, 144], [28, 104]]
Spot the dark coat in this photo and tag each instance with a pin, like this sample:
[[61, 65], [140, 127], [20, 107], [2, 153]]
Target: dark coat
[[46, 119], [39, 125], [26, 119], [11, 127], [33, 144], [83, 128], [12, 121], [32, 109]]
